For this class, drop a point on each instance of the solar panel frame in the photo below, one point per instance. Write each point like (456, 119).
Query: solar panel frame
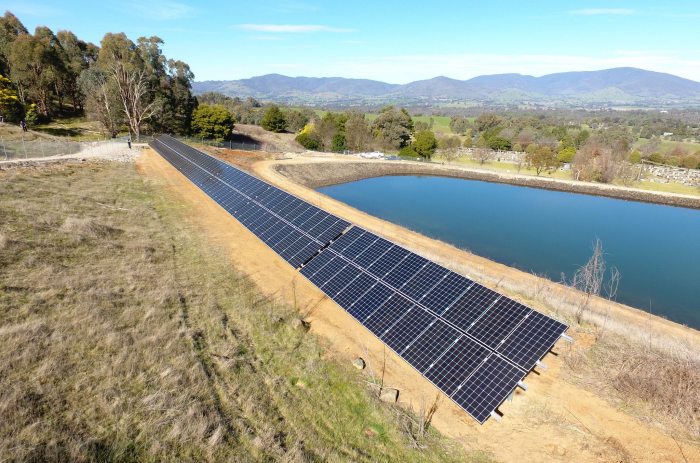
(487, 387)
(387, 285)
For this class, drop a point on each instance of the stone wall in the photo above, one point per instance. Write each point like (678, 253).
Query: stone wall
(689, 177)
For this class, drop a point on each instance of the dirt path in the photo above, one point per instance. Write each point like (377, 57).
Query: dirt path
(553, 421)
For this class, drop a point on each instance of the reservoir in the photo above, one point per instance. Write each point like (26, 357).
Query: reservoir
(656, 248)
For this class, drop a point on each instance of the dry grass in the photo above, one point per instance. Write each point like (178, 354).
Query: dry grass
(658, 386)
(124, 338)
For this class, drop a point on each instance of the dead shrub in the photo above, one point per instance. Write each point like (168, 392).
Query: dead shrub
(3, 241)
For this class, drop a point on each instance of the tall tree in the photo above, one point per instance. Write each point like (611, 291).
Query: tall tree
(78, 56)
(358, 135)
(120, 59)
(393, 128)
(10, 29)
(102, 100)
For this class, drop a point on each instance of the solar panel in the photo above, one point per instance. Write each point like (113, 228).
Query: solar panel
(470, 306)
(372, 254)
(407, 329)
(428, 346)
(535, 335)
(496, 323)
(471, 342)
(357, 288)
(405, 269)
(423, 281)
(456, 363)
(486, 388)
(370, 301)
(446, 292)
(387, 314)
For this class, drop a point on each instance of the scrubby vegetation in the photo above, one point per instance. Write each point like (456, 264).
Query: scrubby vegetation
(124, 337)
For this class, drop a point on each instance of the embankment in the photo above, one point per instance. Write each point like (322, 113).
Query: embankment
(335, 171)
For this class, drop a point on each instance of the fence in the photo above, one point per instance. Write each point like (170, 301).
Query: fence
(28, 149)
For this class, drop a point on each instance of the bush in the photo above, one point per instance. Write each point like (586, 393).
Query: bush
(338, 145)
(274, 120)
(425, 143)
(635, 157)
(499, 144)
(31, 117)
(212, 122)
(10, 107)
(408, 152)
(566, 155)
(657, 158)
(309, 140)
(691, 161)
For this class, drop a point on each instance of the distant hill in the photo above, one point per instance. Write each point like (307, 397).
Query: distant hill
(618, 86)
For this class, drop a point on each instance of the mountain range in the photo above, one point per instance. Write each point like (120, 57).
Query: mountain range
(609, 87)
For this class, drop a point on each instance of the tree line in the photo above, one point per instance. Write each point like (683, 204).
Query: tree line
(125, 85)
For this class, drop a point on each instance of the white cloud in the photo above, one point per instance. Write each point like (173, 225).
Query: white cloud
(160, 10)
(603, 11)
(290, 28)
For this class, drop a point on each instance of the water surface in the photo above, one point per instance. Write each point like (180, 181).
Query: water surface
(656, 248)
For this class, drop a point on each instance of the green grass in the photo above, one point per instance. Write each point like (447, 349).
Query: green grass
(667, 146)
(126, 336)
(441, 124)
(74, 128)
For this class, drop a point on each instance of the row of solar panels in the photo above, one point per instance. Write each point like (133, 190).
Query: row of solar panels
(293, 228)
(471, 342)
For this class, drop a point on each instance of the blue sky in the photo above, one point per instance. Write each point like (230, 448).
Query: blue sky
(394, 41)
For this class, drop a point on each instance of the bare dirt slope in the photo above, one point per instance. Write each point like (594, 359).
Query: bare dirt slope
(554, 420)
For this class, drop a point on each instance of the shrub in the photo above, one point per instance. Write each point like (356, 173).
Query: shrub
(309, 140)
(274, 120)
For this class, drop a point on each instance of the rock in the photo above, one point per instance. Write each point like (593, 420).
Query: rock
(359, 363)
(389, 395)
(299, 324)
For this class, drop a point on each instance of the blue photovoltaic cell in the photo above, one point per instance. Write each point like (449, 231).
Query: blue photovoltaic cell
(340, 280)
(358, 246)
(423, 281)
(470, 306)
(387, 261)
(456, 363)
(347, 239)
(354, 290)
(495, 325)
(328, 271)
(487, 387)
(446, 292)
(373, 252)
(316, 264)
(470, 341)
(370, 301)
(533, 337)
(425, 349)
(407, 328)
(404, 270)
(387, 314)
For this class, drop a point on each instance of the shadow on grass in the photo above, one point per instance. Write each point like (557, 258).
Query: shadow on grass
(60, 131)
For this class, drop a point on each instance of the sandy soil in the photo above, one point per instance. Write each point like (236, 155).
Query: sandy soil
(553, 421)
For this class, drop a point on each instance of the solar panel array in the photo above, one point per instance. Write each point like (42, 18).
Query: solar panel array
(473, 343)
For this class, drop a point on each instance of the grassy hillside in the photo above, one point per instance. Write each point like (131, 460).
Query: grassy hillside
(125, 337)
